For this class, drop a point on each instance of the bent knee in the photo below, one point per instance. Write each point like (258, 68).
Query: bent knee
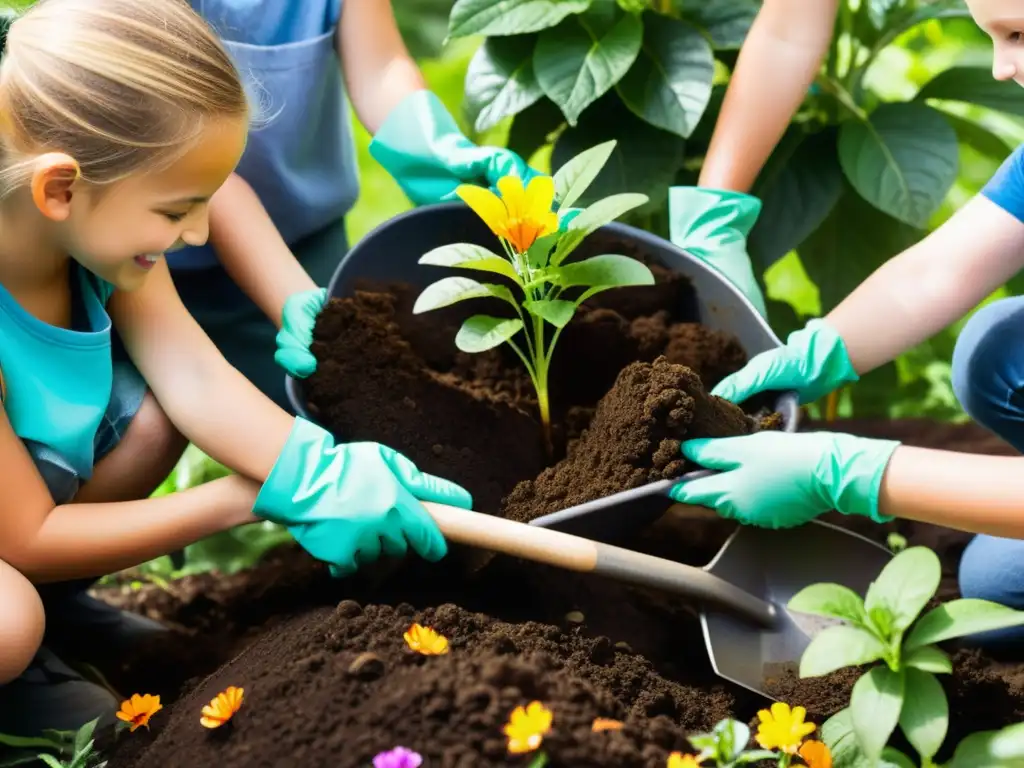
(993, 569)
(988, 367)
(153, 431)
(22, 622)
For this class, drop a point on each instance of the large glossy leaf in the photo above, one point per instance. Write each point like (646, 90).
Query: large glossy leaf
(451, 290)
(958, 618)
(532, 127)
(853, 241)
(470, 256)
(974, 85)
(669, 85)
(903, 160)
(585, 56)
(482, 332)
(423, 25)
(924, 718)
(832, 600)
(800, 184)
(838, 647)
(645, 158)
(509, 17)
(875, 704)
(726, 22)
(500, 80)
(904, 586)
(979, 138)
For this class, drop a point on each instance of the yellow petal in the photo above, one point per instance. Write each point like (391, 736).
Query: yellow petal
(540, 195)
(513, 195)
(485, 204)
(780, 710)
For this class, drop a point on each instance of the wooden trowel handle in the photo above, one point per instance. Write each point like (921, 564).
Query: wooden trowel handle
(575, 553)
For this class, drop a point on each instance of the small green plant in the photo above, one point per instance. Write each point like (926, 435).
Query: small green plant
(536, 245)
(885, 626)
(76, 749)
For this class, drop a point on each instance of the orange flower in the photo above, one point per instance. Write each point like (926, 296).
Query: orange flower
(521, 215)
(816, 754)
(138, 709)
(605, 724)
(526, 727)
(222, 708)
(426, 641)
(679, 760)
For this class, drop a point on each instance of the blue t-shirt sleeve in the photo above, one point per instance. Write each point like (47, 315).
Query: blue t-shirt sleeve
(1006, 188)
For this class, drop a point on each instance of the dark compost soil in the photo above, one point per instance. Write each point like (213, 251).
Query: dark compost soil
(329, 680)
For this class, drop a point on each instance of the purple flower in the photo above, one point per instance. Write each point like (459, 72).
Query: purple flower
(399, 757)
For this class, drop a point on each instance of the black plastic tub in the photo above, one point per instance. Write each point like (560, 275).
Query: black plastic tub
(391, 253)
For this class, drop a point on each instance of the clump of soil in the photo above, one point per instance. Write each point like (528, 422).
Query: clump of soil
(633, 439)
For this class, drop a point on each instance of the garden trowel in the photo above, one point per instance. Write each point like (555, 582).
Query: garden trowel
(750, 634)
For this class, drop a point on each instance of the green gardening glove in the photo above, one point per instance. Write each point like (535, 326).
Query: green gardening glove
(423, 149)
(782, 480)
(297, 321)
(713, 225)
(347, 504)
(813, 362)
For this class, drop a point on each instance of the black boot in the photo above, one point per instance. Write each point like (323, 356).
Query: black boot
(49, 695)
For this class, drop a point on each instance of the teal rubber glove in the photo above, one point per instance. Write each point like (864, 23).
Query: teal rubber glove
(813, 362)
(423, 149)
(782, 480)
(713, 225)
(347, 504)
(298, 317)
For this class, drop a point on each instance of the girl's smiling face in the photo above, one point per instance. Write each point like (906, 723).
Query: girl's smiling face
(1003, 21)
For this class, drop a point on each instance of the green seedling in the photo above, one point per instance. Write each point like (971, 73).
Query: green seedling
(538, 230)
(886, 626)
(726, 746)
(76, 747)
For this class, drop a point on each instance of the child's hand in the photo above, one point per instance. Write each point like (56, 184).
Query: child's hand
(347, 504)
(297, 321)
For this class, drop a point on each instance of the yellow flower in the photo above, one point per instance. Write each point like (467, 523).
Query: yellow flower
(783, 728)
(816, 754)
(526, 727)
(426, 641)
(605, 724)
(521, 215)
(679, 760)
(138, 709)
(222, 708)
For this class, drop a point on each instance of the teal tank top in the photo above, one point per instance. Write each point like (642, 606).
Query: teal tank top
(57, 382)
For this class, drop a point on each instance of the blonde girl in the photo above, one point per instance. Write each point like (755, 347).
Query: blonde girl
(119, 120)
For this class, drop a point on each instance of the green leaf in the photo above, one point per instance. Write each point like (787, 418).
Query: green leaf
(1008, 744)
(451, 290)
(800, 184)
(608, 269)
(833, 600)
(731, 736)
(583, 57)
(878, 11)
(893, 758)
(423, 25)
(957, 618)
(979, 138)
(593, 218)
(19, 758)
(669, 85)
(903, 160)
(726, 22)
(84, 736)
(534, 127)
(509, 17)
(905, 585)
(555, 311)
(482, 332)
(539, 253)
(853, 241)
(469, 256)
(50, 761)
(27, 742)
(573, 178)
(925, 714)
(838, 734)
(976, 751)
(645, 159)
(928, 658)
(838, 647)
(875, 705)
(756, 756)
(974, 85)
(500, 80)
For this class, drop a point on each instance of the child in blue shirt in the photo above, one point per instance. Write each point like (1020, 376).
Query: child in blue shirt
(119, 121)
(777, 480)
(277, 229)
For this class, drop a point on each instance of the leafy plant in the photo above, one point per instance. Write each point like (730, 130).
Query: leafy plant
(885, 626)
(76, 746)
(536, 247)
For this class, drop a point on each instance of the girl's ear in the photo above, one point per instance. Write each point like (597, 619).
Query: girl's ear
(53, 177)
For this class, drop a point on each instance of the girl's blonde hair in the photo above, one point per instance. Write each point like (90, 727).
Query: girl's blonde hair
(122, 86)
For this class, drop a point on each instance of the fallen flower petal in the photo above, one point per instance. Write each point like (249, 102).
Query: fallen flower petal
(426, 641)
(526, 727)
(222, 708)
(816, 754)
(783, 728)
(138, 709)
(679, 760)
(399, 757)
(605, 724)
